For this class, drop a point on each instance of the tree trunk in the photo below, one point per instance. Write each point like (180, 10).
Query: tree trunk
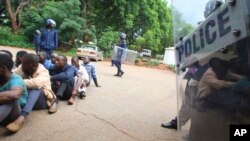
(13, 16)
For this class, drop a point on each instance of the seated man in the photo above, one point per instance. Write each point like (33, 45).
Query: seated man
(13, 92)
(40, 95)
(19, 57)
(188, 101)
(7, 53)
(91, 70)
(85, 75)
(62, 78)
(53, 57)
(44, 61)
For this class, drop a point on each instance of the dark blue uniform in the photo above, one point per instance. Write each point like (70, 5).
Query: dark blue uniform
(119, 57)
(49, 41)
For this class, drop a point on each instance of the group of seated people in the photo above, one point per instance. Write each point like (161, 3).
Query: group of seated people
(218, 85)
(35, 82)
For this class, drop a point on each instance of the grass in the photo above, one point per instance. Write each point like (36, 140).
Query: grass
(171, 67)
(7, 38)
(152, 63)
(71, 52)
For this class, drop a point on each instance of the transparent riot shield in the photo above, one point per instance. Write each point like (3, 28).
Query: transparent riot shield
(124, 55)
(213, 68)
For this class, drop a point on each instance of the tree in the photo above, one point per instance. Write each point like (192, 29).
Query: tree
(107, 40)
(67, 14)
(14, 15)
(181, 28)
(149, 19)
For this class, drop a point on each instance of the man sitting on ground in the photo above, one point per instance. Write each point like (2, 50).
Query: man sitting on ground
(13, 92)
(19, 57)
(40, 95)
(44, 61)
(53, 57)
(85, 75)
(91, 70)
(62, 78)
(7, 53)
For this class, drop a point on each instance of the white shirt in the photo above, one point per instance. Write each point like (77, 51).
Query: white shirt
(84, 73)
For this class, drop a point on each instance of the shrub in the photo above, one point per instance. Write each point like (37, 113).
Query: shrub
(137, 60)
(171, 67)
(145, 60)
(159, 57)
(152, 63)
(9, 39)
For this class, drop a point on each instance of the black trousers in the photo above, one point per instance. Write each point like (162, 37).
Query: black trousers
(63, 91)
(118, 66)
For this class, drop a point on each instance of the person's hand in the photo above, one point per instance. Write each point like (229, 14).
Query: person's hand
(74, 92)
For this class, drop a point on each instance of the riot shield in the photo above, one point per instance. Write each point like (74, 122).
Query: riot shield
(124, 55)
(213, 67)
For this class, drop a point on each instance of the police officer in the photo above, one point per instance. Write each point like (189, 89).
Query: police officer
(211, 6)
(37, 40)
(120, 55)
(49, 38)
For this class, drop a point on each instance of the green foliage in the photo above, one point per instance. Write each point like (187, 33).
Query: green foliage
(159, 57)
(147, 23)
(137, 60)
(9, 39)
(139, 44)
(71, 52)
(181, 27)
(107, 40)
(149, 20)
(67, 16)
(145, 59)
(4, 20)
(172, 67)
(152, 63)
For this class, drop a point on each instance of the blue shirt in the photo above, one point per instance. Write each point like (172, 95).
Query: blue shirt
(16, 81)
(48, 64)
(242, 84)
(37, 40)
(123, 43)
(67, 74)
(90, 68)
(49, 39)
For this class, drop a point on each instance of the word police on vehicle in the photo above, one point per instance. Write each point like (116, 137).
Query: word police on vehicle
(225, 26)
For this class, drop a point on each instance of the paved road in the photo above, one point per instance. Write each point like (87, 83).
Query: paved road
(130, 108)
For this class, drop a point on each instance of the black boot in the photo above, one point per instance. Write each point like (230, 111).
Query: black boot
(118, 73)
(121, 73)
(171, 125)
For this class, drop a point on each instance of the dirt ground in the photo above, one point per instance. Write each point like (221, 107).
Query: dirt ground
(130, 108)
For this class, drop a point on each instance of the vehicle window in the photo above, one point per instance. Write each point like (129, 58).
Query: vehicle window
(90, 47)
